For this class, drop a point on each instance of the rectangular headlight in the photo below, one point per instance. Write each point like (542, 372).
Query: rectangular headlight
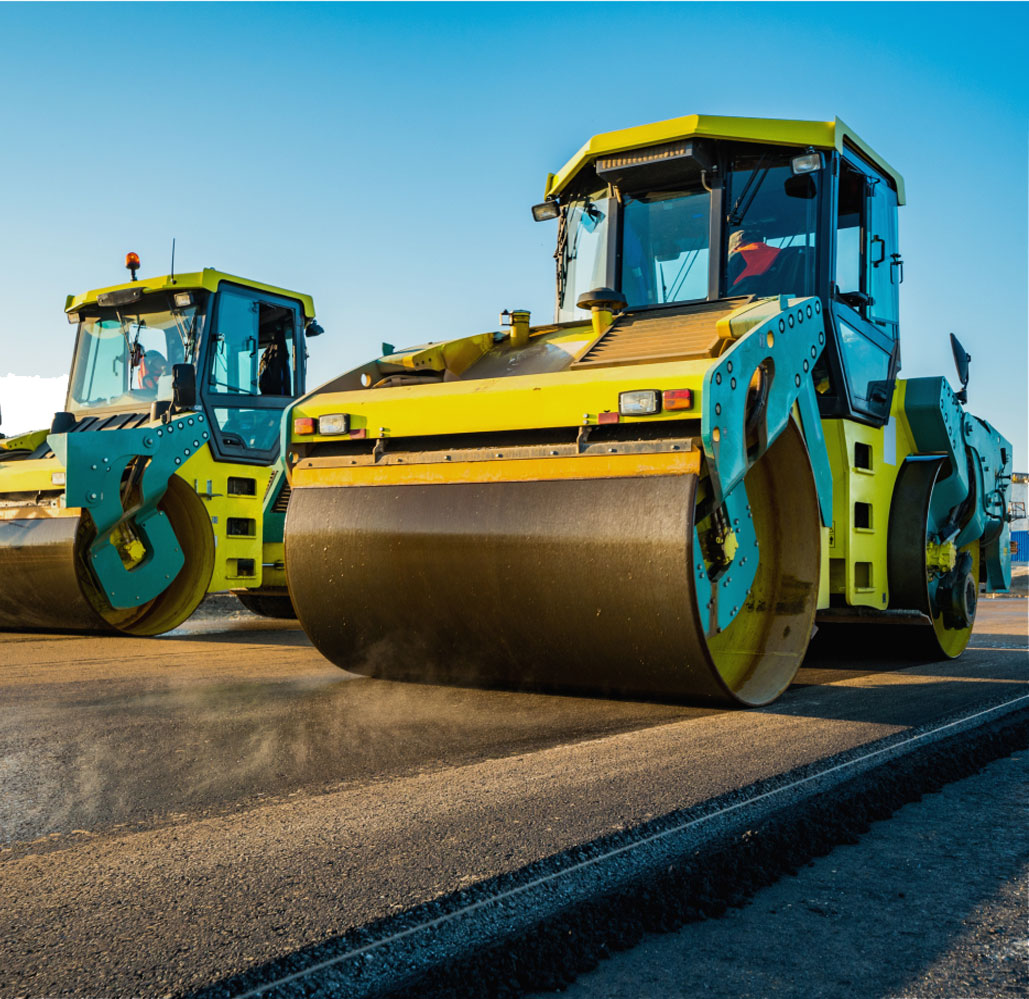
(182, 299)
(808, 163)
(334, 423)
(546, 210)
(641, 402)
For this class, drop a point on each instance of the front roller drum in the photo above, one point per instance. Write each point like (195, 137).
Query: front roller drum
(45, 584)
(565, 584)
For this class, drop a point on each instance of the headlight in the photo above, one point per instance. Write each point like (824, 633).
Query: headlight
(641, 402)
(334, 423)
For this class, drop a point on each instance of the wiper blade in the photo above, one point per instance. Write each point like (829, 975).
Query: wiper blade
(747, 196)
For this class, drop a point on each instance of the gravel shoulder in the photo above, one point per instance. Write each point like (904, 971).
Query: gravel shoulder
(930, 904)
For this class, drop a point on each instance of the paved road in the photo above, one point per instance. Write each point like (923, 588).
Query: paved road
(175, 810)
(930, 904)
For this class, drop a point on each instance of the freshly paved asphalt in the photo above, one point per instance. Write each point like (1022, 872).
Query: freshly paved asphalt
(176, 810)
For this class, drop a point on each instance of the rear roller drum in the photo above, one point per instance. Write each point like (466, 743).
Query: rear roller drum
(937, 579)
(565, 584)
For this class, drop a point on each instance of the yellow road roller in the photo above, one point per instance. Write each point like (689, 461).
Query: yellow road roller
(659, 493)
(162, 480)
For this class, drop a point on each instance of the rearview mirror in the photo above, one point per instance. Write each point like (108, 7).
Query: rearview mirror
(961, 360)
(184, 386)
(800, 186)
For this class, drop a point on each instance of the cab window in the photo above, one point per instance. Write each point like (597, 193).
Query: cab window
(253, 347)
(771, 241)
(865, 297)
(665, 247)
(251, 368)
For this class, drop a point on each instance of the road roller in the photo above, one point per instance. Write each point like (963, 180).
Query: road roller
(162, 480)
(664, 492)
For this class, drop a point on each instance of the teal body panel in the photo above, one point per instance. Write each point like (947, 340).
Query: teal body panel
(95, 465)
(970, 502)
(784, 348)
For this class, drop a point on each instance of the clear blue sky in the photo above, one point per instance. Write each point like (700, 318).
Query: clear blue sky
(384, 157)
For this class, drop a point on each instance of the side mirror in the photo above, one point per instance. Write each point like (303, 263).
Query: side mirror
(313, 329)
(184, 386)
(961, 360)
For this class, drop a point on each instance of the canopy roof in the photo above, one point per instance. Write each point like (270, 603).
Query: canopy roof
(208, 279)
(775, 131)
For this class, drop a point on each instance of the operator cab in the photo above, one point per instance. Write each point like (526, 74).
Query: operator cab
(246, 346)
(700, 220)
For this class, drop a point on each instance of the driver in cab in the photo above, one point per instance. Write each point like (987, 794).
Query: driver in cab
(152, 366)
(749, 255)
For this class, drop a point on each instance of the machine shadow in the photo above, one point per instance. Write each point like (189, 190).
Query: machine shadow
(835, 681)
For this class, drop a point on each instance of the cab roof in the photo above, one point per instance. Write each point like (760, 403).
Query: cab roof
(208, 279)
(775, 131)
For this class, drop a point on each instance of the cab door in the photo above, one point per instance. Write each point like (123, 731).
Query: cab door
(866, 299)
(254, 368)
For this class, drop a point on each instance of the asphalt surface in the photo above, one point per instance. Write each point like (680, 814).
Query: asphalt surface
(177, 810)
(929, 904)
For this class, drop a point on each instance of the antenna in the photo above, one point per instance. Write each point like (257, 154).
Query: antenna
(173, 261)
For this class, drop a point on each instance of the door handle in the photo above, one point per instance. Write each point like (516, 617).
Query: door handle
(898, 263)
(882, 255)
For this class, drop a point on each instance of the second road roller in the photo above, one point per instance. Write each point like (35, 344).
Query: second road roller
(162, 480)
(661, 492)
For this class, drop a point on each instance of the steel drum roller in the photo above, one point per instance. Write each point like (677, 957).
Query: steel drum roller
(46, 585)
(568, 584)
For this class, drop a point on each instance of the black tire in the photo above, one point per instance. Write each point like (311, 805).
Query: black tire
(268, 605)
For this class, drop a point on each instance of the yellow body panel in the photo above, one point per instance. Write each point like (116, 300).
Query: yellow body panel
(310, 473)
(775, 131)
(209, 480)
(274, 571)
(857, 555)
(524, 402)
(207, 279)
(31, 475)
(27, 442)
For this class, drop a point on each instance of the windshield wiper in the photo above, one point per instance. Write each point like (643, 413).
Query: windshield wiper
(738, 214)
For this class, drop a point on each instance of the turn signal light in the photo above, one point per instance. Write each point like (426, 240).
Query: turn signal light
(642, 402)
(677, 399)
(303, 425)
(334, 423)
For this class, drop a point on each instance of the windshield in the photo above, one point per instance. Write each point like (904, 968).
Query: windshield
(665, 247)
(581, 254)
(124, 355)
(769, 243)
(772, 225)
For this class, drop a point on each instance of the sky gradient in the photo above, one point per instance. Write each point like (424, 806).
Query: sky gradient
(384, 157)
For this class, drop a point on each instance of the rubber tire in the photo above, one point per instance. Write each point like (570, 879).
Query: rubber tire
(268, 605)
